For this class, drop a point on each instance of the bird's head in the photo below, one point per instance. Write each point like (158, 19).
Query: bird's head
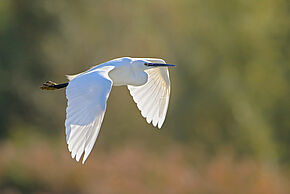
(148, 64)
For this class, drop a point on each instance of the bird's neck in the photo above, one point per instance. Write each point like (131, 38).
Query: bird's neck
(125, 75)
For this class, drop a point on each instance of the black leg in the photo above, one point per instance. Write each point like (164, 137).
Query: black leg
(49, 85)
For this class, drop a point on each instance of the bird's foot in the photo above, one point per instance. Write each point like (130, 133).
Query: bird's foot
(49, 85)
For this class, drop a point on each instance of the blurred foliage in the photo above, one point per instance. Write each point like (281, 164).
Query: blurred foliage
(133, 169)
(230, 90)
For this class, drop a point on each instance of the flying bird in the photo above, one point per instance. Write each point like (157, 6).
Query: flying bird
(87, 93)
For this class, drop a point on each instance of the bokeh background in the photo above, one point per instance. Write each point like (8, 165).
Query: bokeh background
(228, 124)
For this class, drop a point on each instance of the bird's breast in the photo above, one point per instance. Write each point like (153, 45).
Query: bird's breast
(122, 76)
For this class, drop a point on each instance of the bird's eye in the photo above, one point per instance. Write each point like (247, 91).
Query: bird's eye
(147, 64)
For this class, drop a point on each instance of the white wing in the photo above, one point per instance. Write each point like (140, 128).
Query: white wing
(152, 98)
(87, 96)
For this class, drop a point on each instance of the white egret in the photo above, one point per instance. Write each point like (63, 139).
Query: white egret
(87, 93)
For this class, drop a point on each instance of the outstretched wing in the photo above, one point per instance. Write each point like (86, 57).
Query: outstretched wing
(87, 96)
(152, 98)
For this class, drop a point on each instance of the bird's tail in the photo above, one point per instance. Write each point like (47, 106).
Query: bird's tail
(49, 85)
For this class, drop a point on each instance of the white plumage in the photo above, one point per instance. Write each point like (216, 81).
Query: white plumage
(87, 93)
(152, 98)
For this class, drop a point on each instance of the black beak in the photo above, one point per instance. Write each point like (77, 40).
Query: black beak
(159, 65)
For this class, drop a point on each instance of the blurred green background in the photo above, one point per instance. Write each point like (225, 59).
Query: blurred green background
(228, 124)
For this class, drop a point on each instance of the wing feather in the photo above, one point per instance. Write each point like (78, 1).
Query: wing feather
(87, 96)
(152, 98)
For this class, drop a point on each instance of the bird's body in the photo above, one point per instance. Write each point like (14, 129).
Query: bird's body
(123, 73)
(87, 93)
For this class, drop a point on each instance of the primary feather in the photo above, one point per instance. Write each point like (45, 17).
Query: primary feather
(87, 96)
(152, 98)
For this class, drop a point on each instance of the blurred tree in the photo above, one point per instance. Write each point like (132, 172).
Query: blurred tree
(24, 24)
